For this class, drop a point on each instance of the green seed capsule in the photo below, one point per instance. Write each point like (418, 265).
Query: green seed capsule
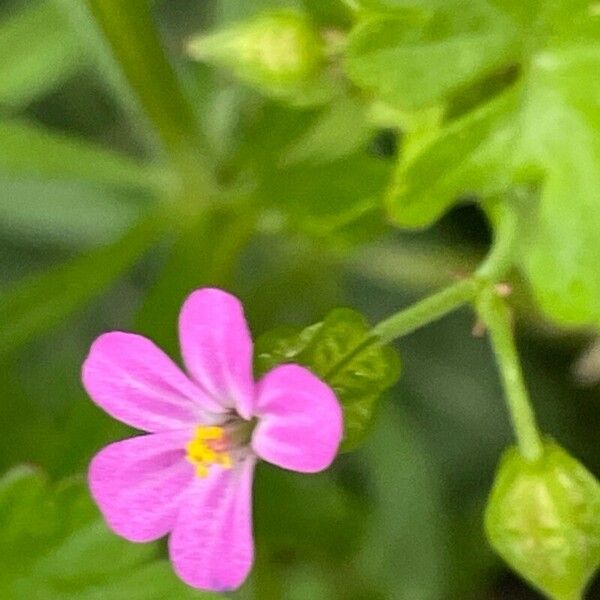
(543, 518)
(273, 51)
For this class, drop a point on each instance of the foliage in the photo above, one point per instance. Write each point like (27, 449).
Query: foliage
(517, 113)
(294, 152)
(338, 351)
(54, 545)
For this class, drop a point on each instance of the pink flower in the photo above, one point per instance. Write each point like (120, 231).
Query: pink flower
(191, 475)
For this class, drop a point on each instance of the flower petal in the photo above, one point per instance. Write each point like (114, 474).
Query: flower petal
(300, 420)
(217, 348)
(138, 483)
(211, 546)
(137, 383)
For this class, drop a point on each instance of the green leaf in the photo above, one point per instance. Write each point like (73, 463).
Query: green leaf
(543, 518)
(64, 214)
(38, 51)
(563, 138)
(541, 133)
(415, 59)
(53, 546)
(31, 151)
(468, 157)
(39, 302)
(319, 199)
(338, 131)
(340, 351)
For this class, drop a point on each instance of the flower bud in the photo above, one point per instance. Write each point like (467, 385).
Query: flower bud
(543, 518)
(275, 51)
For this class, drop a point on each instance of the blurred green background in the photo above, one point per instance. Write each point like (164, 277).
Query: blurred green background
(295, 233)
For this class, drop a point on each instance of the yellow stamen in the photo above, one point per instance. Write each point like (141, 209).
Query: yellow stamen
(206, 449)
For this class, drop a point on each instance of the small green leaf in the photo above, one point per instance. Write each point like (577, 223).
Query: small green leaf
(340, 351)
(543, 518)
(416, 59)
(39, 51)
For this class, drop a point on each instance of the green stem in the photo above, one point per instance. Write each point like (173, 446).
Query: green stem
(427, 310)
(496, 315)
(135, 44)
(493, 268)
(500, 258)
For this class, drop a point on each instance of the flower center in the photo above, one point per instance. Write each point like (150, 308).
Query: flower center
(219, 445)
(208, 447)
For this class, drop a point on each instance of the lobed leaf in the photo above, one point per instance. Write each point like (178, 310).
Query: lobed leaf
(341, 352)
(468, 157)
(417, 58)
(539, 129)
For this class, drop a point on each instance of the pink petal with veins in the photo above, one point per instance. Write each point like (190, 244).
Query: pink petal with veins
(217, 348)
(300, 420)
(211, 546)
(137, 383)
(139, 483)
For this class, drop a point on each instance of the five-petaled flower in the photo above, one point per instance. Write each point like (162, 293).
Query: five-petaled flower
(191, 474)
